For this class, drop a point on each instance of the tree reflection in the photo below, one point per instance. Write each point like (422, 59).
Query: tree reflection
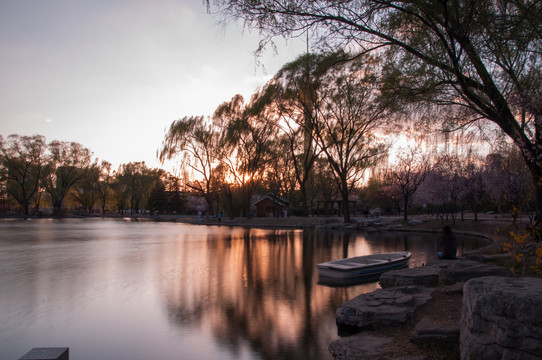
(258, 288)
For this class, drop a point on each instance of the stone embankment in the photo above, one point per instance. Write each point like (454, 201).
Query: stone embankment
(500, 317)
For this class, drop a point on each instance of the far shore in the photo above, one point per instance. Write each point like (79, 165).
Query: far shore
(491, 226)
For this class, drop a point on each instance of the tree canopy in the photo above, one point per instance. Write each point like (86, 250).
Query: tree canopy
(480, 57)
(197, 141)
(67, 164)
(22, 161)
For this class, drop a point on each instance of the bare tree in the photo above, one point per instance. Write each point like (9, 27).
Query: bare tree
(482, 58)
(293, 94)
(409, 173)
(22, 158)
(448, 183)
(85, 191)
(508, 181)
(476, 192)
(66, 165)
(280, 175)
(349, 115)
(103, 186)
(324, 186)
(136, 181)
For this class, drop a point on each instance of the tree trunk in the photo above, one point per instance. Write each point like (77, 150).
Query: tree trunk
(346, 206)
(209, 201)
(405, 212)
(304, 199)
(57, 208)
(229, 196)
(103, 199)
(26, 206)
(37, 201)
(537, 181)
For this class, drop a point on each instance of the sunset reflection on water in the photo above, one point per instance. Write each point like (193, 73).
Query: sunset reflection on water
(117, 290)
(257, 287)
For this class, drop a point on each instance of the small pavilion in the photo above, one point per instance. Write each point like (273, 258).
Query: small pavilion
(271, 205)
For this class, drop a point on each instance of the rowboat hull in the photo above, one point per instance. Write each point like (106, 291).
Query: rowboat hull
(361, 268)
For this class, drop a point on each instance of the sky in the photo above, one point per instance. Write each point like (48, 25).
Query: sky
(114, 74)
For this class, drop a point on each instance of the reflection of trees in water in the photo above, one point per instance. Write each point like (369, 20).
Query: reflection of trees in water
(258, 287)
(423, 246)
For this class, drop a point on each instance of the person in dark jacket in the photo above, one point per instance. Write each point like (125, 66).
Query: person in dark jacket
(448, 245)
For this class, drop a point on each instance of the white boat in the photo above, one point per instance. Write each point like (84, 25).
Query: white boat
(360, 268)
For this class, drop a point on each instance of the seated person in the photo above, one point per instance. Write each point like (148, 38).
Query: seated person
(448, 246)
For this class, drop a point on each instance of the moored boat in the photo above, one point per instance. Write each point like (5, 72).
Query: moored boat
(360, 268)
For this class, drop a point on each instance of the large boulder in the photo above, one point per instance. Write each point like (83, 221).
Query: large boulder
(501, 318)
(454, 271)
(490, 253)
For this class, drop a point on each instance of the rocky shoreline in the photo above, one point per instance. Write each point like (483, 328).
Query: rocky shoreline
(439, 312)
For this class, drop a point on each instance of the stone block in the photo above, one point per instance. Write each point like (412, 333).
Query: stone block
(369, 347)
(47, 354)
(456, 288)
(359, 347)
(436, 332)
(422, 276)
(501, 318)
(381, 307)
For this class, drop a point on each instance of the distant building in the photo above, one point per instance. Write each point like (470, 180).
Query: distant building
(334, 207)
(271, 205)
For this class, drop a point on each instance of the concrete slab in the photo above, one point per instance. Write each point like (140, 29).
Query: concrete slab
(57, 353)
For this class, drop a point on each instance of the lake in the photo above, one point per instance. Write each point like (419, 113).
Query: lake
(120, 289)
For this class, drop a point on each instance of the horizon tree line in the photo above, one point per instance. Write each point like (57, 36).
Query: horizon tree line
(35, 175)
(445, 184)
(473, 62)
(312, 134)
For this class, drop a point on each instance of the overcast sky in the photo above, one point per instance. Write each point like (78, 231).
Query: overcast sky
(113, 74)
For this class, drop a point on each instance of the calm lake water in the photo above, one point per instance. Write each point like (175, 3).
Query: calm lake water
(114, 289)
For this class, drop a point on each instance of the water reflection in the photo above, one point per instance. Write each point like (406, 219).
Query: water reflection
(255, 288)
(118, 290)
(260, 286)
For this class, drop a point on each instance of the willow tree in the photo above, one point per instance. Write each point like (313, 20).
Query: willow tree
(248, 137)
(293, 95)
(351, 115)
(197, 142)
(481, 57)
